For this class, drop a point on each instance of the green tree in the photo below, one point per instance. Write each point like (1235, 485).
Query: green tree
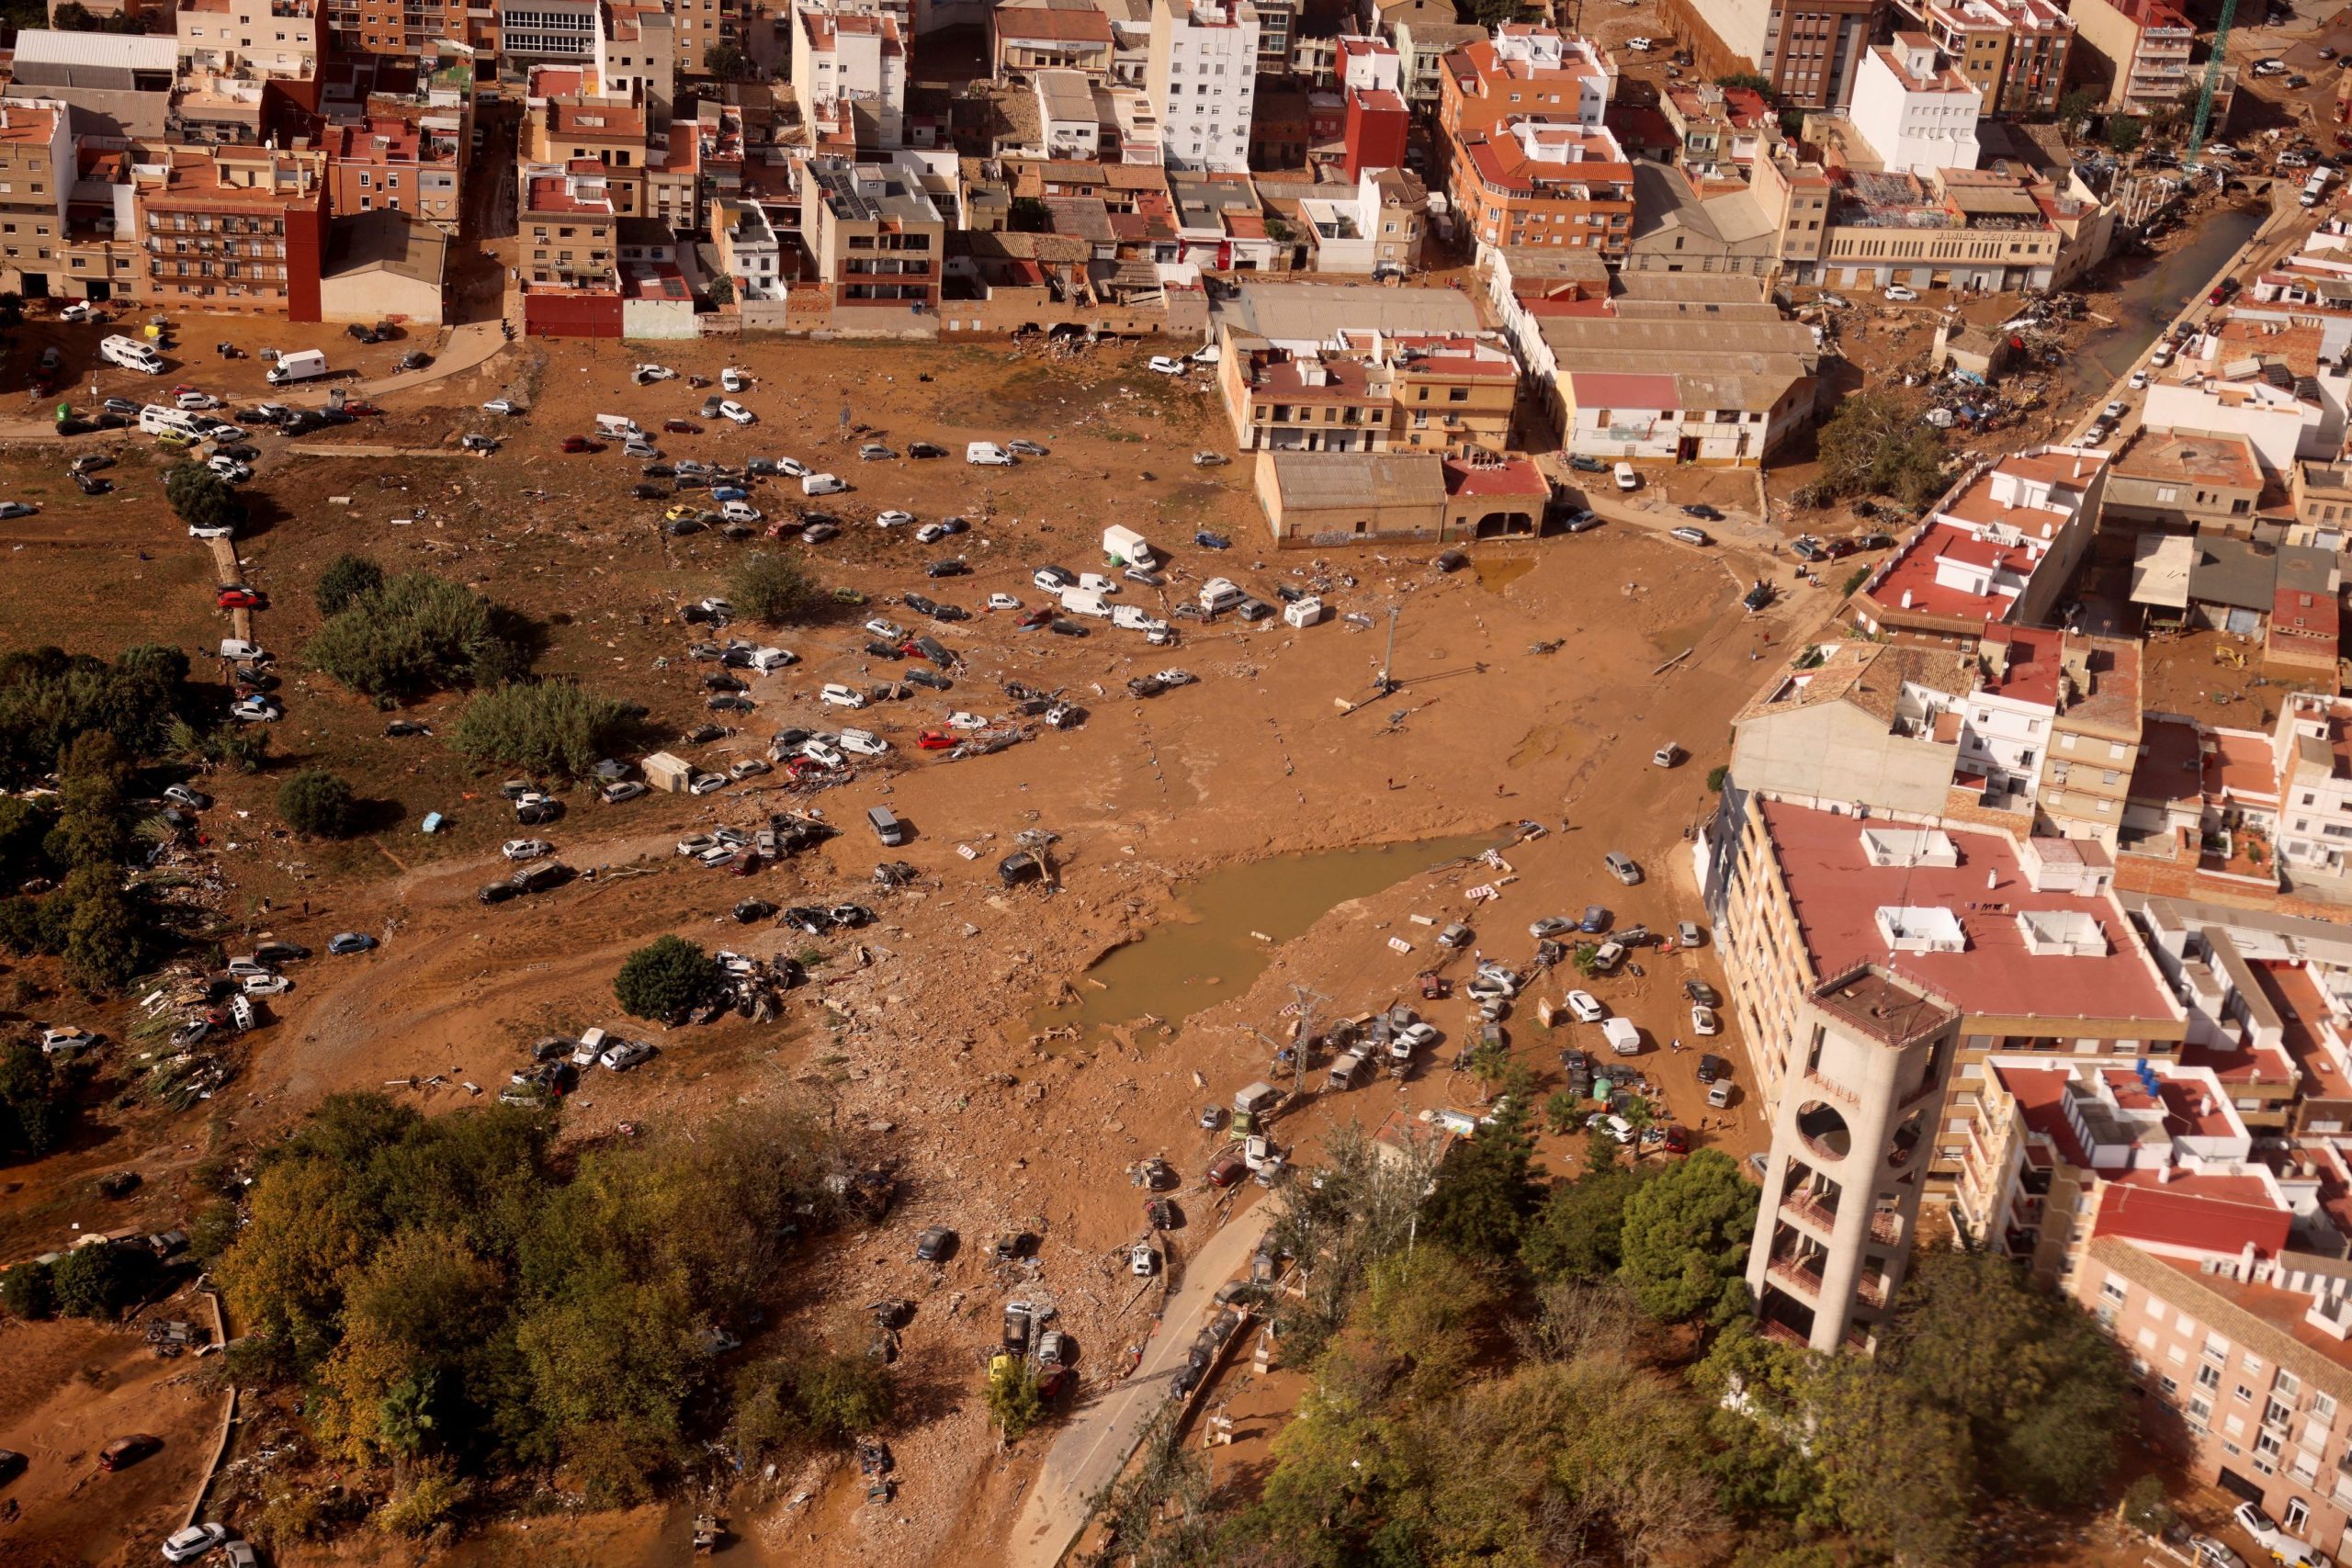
(35, 1107)
(550, 728)
(2124, 133)
(417, 633)
(1875, 445)
(100, 1281)
(2077, 105)
(1577, 1235)
(1014, 1404)
(318, 804)
(202, 499)
(1716, 776)
(1684, 1239)
(29, 1289)
(348, 580)
(1489, 1186)
(727, 62)
(665, 979)
(2145, 1508)
(1895, 1469)
(109, 937)
(773, 590)
(1749, 79)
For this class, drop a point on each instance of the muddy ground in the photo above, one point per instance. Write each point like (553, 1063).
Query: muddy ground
(918, 1032)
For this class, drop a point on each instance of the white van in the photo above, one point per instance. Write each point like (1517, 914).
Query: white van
(617, 427)
(1126, 545)
(591, 1046)
(2316, 186)
(821, 484)
(238, 648)
(1626, 478)
(1624, 1036)
(307, 366)
(1219, 594)
(131, 355)
(988, 454)
(1085, 602)
(1133, 617)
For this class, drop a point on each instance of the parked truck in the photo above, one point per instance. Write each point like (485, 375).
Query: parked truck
(1126, 548)
(304, 365)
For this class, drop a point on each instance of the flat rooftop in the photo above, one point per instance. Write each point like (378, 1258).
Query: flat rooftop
(1838, 894)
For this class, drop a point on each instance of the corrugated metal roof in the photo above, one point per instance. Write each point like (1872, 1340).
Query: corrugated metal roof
(124, 51)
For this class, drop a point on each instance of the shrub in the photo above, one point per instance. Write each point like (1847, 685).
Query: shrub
(549, 728)
(773, 590)
(417, 633)
(1716, 776)
(1014, 1404)
(665, 979)
(99, 1281)
(202, 499)
(347, 578)
(317, 803)
(34, 1107)
(29, 1289)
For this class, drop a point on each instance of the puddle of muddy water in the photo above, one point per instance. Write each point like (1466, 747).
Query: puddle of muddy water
(1496, 573)
(1210, 951)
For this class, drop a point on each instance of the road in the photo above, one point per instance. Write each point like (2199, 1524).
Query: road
(1098, 1443)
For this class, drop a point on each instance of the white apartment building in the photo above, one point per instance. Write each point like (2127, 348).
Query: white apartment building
(1916, 112)
(1533, 52)
(2314, 747)
(1202, 75)
(1068, 124)
(849, 75)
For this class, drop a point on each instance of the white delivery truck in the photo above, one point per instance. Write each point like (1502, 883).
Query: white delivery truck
(303, 365)
(1085, 602)
(131, 355)
(617, 427)
(1126, 548)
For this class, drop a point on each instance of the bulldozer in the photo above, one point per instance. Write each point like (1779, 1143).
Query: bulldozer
(2233, 658)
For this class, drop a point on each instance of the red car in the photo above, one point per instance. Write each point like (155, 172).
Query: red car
(240, 599)
(680, 427)
(1039, 616)
(1678, 1140)
(935, 740)
(1227, 1171)
(582, 443)
(1434, 986)
(361, 406)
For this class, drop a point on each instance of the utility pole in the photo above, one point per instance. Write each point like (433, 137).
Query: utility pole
(1304, 1000)
(1388, 659)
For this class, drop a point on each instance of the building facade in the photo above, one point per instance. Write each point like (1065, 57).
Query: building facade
(1201, 79)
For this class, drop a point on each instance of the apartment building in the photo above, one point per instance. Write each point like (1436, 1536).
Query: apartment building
(1370, 392)
(2023, 938)
(530, 31)
(703, 26)
(120, 85)
(750, 256)
(636, 53)
(1917, 113)
(234, 229)
(268, 39)
(2094, 739)
(1525, 72)
(1026, 36)
(2013, 51)
(568, 225)
(1422, 51)
(2313, 749)
(1728, 416)
(1532, 183)
(2321, 494)
(415, 29)
(876, 236)
(387, 162)
(2198, 483)
(2144, 55)
(36, 179)
(1201, 79)
(2000, 547)
(1809, 49)
(849, 76)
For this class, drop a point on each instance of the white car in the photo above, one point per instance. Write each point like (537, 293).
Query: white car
(501, 405)
(841, 698)
(255, 710)
(1142, 1260)
(228, 469)
(818, 751)
(2138, 382)
(245, 969)
(1003, 602)
(1585, 1008)
(2267, 1535)
(655, 372)
(929, 534)
(16, 509)
(265, 985)
(894, 518)
(733, 381)
(706, 783)
(77, 311)
(623, 1054)
(962, 720)
(1703, 1020)
(740, 512)
(206, 531)
(1640, 45)
(1167, 367)
(195, 402)
(1899, 294)
(187, 1545)
(737, 412)
(526, 849)
(792, 468)
(2116, 410)
(889, 631)
(1625, 476)
(695, 843)
(745, 767)
(863, 742)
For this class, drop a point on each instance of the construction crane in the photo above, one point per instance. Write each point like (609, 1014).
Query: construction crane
(2212, 79)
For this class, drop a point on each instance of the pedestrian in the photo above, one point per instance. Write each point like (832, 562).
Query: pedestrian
(306, 905)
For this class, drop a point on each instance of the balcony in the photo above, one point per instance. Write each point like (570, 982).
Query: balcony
(1886, 1227)
(1800, 1274)
(1870, 1290)
(1804, 1208)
